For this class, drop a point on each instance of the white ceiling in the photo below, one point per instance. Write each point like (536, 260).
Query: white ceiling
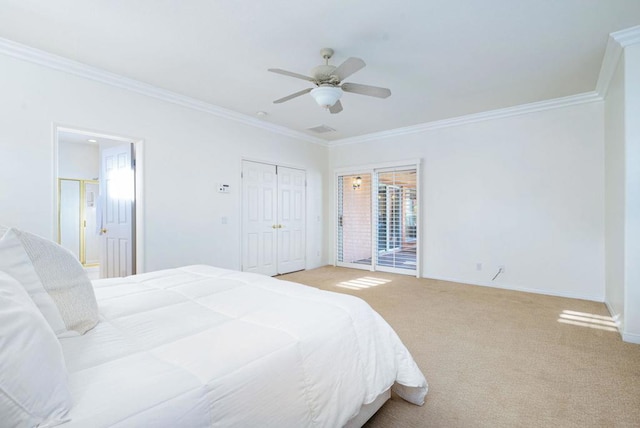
(441, 59)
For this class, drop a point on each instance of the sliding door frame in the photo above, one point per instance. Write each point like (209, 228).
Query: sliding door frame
(373, 169)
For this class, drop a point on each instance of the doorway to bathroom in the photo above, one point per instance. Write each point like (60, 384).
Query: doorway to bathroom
(96, 200)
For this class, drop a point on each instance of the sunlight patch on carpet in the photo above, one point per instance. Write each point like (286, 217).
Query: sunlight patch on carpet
(583, 319)
(363, 283)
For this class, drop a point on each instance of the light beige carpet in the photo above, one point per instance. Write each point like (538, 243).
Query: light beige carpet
(498, 358)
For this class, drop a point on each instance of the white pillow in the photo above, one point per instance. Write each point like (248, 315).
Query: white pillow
(54, 279)
(33, 377)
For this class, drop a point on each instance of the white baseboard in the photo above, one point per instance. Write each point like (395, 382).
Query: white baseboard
(631, 338)
(616, 318)
(599, 299)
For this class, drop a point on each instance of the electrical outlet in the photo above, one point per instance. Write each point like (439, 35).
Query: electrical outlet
(478, 266)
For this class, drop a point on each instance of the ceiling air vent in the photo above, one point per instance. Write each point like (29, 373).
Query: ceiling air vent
(321, 129)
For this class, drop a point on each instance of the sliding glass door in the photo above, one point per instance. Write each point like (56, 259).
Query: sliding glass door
(396, 212)
(377, 219)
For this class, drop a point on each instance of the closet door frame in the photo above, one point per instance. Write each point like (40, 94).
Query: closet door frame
(373, 169)
(303, 263)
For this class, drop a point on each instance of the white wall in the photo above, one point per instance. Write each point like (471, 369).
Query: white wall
(526, 192)
(622, 208)
(631, 330)
(77, 160)
(614, 191)
(186, 153)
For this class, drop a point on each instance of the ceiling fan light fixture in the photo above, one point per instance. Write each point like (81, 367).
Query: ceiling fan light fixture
(326, 96)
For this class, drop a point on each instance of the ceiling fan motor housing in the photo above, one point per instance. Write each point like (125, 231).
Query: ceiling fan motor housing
(323, 74)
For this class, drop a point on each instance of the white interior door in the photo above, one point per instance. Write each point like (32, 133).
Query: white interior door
(117, 196)
(291, 219)
(259, 218)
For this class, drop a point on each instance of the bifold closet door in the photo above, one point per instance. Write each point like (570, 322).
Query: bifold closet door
(259, 221)
(291, 219)
(273, 218)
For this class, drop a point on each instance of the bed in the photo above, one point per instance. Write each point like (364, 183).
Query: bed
(200, 346)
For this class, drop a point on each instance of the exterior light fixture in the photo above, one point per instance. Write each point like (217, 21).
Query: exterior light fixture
(357, 182)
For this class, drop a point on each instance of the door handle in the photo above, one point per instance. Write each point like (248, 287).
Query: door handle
(103, 231)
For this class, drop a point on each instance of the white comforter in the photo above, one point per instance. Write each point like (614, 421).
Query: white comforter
(206, 347)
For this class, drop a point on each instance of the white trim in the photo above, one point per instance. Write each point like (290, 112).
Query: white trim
(399, 271)
(36, 56)
(391, 165)
(138, 151)
(631, 338)
(523, 289)
(270, 162)
(586, 97)
(627, 37)
(358, 266)
(420, 217)
(616, 42)
(615, 317)
(615, 45)
(609, 64)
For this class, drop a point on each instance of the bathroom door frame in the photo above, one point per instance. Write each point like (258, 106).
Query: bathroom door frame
(138, 148)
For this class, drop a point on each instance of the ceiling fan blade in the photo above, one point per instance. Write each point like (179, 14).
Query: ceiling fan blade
(297, 94)
(291, 74)
(348, 67)
(372, 91)
(336, 108)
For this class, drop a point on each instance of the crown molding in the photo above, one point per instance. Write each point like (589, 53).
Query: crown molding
(586, 97)
(56, 62)
(627, 37)
(615, 45)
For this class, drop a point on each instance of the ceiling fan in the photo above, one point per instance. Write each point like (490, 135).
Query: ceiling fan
(328, 80)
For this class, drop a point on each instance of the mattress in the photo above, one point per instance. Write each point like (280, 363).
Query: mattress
(200, 346)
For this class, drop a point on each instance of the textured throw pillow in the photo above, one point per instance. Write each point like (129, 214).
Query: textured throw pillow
(54, 279)
(33, 377)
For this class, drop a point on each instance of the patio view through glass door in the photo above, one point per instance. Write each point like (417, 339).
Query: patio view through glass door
(397, 213)
(377, 220)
